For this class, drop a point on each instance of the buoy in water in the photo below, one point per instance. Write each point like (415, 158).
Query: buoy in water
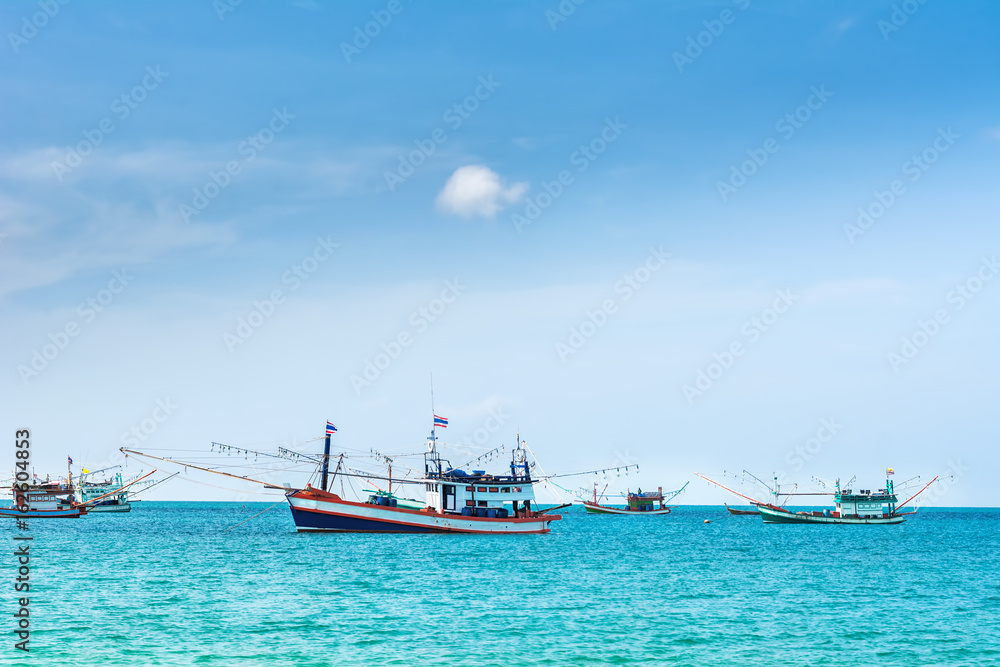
(707, 521)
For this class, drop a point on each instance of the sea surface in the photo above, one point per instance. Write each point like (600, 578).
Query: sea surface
(165, 585)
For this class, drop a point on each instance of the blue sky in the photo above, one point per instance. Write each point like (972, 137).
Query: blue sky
(196, 86)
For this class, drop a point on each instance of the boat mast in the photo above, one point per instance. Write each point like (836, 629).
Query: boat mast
(326, 461)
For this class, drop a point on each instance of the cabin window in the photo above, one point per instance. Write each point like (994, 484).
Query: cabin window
(482, 503)
(449, 497)
(481, 489)
(505, 489)
(494, 489)
(470, 503)
(468, 488)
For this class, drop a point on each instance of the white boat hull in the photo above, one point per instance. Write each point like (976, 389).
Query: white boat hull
(318, 511)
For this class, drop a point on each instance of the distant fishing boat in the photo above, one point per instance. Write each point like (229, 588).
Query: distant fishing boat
(45, 501)
(864, 507)
(735, 512)
(61, 499)
(637, 503)
(113, 498)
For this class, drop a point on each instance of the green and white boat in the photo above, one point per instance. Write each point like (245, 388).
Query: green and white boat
(861, 507)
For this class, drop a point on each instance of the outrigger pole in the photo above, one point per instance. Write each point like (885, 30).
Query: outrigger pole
(752, 501)
(109, 493)
(918, 492)
(188, 465)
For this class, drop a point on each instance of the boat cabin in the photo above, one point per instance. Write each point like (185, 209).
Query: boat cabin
(46, 497)
(476, 493)
(645, 502)
(864, 503)
(480, 495)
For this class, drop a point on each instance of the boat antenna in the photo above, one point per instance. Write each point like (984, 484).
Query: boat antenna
(433, 414)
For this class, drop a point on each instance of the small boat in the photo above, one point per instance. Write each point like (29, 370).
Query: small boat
(752, 512)
(43, 501)
(638, 503)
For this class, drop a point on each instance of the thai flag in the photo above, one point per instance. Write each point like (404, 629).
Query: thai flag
(330, 428)
(441, 421)
(70, 460)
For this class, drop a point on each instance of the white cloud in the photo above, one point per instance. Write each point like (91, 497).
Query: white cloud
(477, 190)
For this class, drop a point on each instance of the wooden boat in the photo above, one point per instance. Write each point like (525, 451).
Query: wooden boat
(638, 503)
(752, 512)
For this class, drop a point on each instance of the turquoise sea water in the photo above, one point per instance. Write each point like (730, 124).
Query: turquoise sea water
(164, 585)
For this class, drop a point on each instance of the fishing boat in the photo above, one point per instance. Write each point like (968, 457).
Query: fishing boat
(49, 500)
(864, 507)
(737, 512)
(637, 503)
(456, 501)
(113, 498)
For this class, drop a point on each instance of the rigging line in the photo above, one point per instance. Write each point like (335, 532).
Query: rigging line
(752, 501)
(591, 472)
(677, 493)
(94, 500)
(224, 488)
(255, 516)
(135, 493)
(528, 447)
(187, 465)
(918, 492)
